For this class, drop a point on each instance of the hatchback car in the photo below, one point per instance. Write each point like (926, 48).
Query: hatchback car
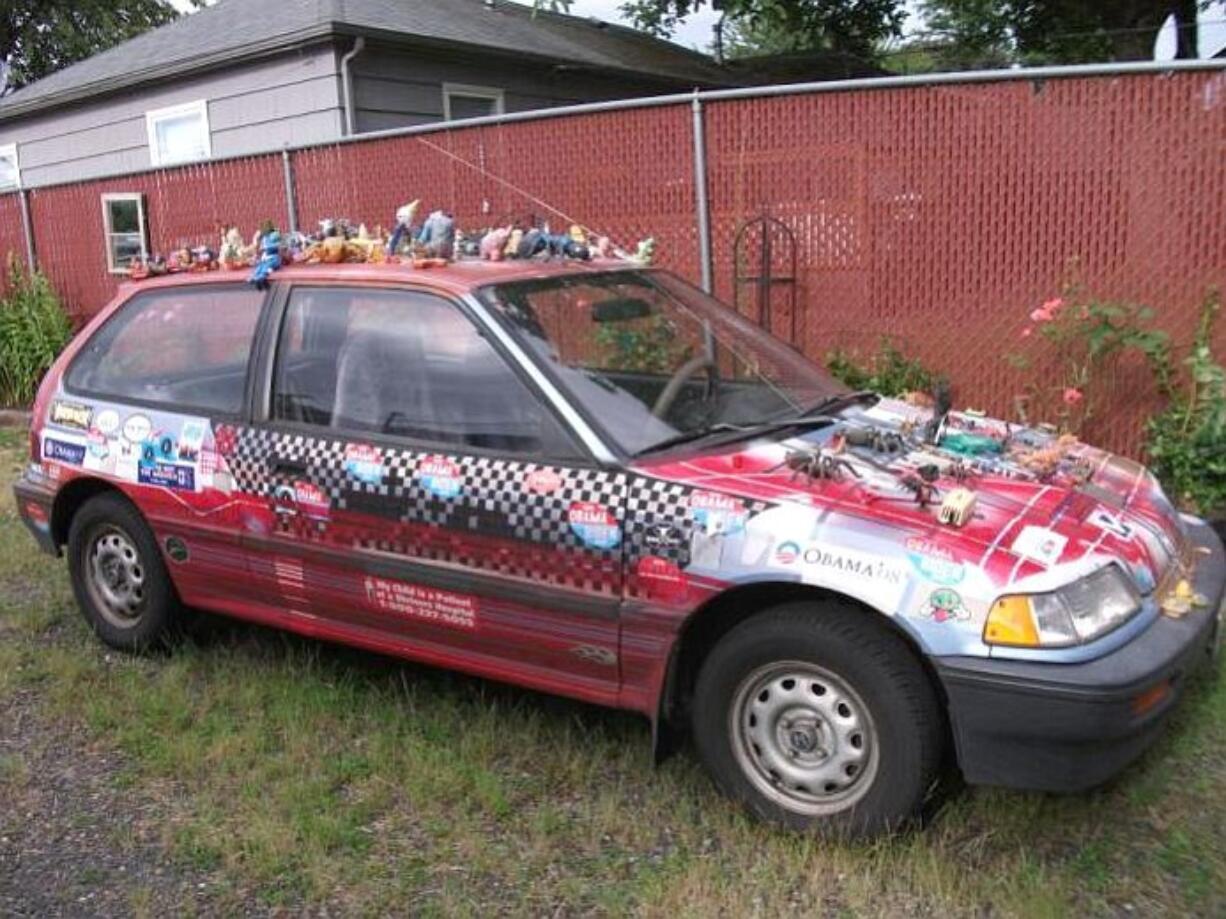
(595, 480)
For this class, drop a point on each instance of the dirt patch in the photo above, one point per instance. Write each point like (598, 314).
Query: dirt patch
(77, 837)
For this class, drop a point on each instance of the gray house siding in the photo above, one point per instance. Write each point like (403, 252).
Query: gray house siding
(291, 98)
(399, 87)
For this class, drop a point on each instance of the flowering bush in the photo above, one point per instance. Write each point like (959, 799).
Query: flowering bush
(1081, 341)
(1186, 444)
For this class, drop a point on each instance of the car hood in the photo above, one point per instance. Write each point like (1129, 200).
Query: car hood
(1045, 507)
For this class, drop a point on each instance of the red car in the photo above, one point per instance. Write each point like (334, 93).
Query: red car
(594, 480)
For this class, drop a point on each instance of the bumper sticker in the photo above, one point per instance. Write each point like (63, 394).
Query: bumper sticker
(440, 476)
(427, 604)
(594, 525)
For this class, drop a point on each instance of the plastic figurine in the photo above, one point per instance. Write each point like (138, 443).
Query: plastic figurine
(404, 224)
(232, 253)
(494, 244)
(513, 240)
(603, 247)
(645, 251)
(531, 243)
(203, 259)
(437, 235)
(563, 245)
(269, 261)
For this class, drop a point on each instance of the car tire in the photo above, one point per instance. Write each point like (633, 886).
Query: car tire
(819, 719)
(119, 578)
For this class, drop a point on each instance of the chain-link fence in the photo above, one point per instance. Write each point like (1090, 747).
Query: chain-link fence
(938, 215)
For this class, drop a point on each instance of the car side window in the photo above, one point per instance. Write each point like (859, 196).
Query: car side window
(183, 347)
(406, 364)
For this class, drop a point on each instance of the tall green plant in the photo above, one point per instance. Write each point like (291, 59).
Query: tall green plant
(888, 372)
(1187, 442)
(33, 329)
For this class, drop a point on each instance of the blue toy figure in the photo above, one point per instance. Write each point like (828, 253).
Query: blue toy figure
(437, 235)
(269, 261)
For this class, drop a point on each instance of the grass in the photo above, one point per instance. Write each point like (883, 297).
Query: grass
(306, 775)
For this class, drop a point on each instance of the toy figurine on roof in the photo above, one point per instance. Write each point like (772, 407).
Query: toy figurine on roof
(269, 260)
(402, 231)
(494, 244)
(232, 253)
(437, 236)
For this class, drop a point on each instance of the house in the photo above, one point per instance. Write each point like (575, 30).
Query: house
(244, 76)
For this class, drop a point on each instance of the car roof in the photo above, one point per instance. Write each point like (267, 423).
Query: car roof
(459, 277)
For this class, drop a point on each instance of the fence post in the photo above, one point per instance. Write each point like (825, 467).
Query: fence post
(28, 227)
(700, 195)
(291, 205)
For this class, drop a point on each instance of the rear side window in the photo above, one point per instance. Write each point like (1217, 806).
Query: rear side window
(405, 364)
(182, 348)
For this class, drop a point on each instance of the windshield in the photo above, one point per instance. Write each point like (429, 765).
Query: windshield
(652, 358)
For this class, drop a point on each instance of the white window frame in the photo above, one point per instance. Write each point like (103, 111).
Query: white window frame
(107, 232)
(200, 107)
(9, 151)
(497, 96)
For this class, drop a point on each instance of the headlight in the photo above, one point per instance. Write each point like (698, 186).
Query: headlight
(1074, 614)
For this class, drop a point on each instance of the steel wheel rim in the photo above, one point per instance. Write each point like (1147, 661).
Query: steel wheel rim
(804, 738)
(115, 576)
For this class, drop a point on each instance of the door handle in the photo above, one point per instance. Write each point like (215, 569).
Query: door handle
(292, 467)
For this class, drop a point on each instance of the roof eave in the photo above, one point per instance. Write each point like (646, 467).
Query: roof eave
(15, 108)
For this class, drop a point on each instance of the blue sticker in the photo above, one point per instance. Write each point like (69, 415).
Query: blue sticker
(934, 562)
(440, 476)
(594, 525)
(63, 452)
(364, 463)
(167, 475)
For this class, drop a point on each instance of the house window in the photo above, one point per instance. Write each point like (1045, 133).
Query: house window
(10, 172)
(460, 101)
(123, 220)
(179, 134)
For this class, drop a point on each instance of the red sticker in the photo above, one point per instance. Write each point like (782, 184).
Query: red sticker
(661, 578)
(311, 499)
(427, 604)
(543, 481)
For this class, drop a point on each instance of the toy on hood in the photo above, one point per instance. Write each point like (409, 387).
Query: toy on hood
(404, 224)
(269, 261)
(494, 244)
(437, 236)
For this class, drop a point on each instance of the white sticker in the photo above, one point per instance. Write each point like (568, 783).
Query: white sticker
(136, 429)
(1040, 544)
(107, 421)
(1111, 523)
(874, 578)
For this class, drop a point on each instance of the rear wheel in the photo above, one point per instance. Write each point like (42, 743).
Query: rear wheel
(818, 718)
(118, 577)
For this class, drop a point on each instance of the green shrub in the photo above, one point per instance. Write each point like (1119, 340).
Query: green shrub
(33, 329)
(888, 372)
(1187, 442)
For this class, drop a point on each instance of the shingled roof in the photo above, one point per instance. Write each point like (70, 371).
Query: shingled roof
(233, 30)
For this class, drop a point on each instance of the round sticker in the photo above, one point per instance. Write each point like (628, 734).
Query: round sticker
(136, 429)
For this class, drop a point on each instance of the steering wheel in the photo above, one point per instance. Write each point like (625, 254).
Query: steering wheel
(673, 388)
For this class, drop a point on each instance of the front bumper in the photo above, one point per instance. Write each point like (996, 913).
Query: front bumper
(1069, 727)
(34, 506)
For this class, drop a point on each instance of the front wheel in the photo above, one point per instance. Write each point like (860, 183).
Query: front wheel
(818, 718)
(118, 577)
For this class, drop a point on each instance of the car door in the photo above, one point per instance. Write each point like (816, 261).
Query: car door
(424, 498)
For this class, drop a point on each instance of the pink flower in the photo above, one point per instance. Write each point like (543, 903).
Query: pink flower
(1026, 332)
(1072, 396)
(1041, 315)
(1053, 305)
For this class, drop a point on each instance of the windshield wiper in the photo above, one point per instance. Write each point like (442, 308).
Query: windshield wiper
(835, 403)
(686, 437)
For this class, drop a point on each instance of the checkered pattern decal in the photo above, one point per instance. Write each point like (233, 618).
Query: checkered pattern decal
(498, 501)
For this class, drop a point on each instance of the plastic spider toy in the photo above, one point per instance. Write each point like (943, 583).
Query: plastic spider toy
(816, 464)
(875, 439)
(921, 483)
